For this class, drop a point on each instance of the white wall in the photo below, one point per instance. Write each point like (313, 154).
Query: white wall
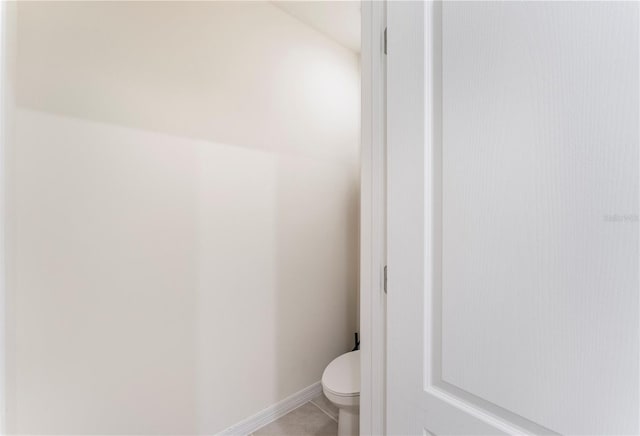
(182, 214)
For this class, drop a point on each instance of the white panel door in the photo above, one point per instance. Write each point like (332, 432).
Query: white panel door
(513, 186)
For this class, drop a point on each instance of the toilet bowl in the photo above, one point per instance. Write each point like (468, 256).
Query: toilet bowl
(341, 385)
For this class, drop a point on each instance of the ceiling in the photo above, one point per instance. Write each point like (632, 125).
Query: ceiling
(339, 20)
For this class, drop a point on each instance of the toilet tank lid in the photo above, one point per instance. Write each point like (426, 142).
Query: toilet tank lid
(342, 375)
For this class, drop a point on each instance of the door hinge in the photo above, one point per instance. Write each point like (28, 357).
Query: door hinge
(385, 40)
(384, 280)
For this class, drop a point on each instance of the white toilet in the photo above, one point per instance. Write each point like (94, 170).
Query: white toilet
(341, 385)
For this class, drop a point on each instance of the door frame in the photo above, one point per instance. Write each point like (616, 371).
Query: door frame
(373, 219)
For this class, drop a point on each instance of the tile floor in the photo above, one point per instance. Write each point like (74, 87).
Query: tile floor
(318, 417)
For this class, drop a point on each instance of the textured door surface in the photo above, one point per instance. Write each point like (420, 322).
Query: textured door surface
(513, 133)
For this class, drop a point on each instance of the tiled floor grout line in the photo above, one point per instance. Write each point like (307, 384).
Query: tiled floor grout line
(323, 411)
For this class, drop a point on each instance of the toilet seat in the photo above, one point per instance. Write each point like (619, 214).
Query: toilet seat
(341, 385)
(342, 376)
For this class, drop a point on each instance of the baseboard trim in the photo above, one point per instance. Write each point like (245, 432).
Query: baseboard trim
(271, 413)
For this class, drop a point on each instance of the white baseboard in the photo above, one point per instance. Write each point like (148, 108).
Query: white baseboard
(271, 413)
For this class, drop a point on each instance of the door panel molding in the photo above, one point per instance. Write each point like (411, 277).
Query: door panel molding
(420, 400)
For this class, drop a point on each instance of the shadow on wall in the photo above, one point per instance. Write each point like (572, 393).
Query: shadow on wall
(277, 278)
(178, 284)
(317, 269)
(202, 280)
